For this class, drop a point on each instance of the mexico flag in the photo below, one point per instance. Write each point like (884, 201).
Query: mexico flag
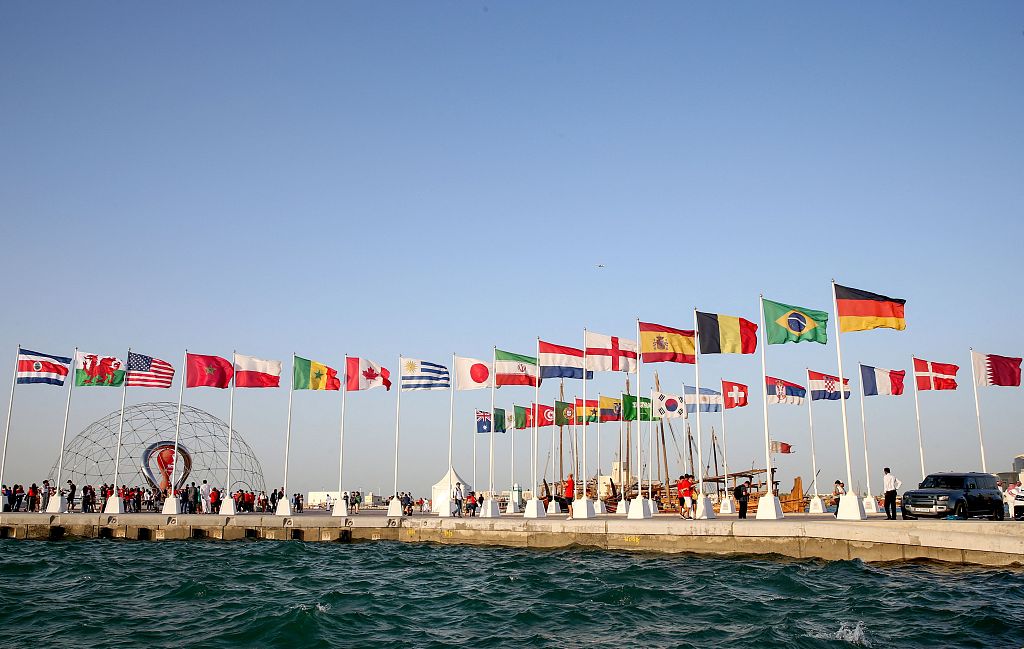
(363, 374)
(252, 372)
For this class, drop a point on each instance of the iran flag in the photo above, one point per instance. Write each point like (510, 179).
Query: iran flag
(472, 374)
(252, 372)
(363, 374)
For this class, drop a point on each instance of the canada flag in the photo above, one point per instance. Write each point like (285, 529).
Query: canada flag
(363, 374)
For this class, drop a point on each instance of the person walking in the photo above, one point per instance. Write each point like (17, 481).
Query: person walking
(204, 494)
(890, 485)
(457, 497)
(569, 494)
(742, 494)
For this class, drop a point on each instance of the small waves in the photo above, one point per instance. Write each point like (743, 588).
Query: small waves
(268, 594)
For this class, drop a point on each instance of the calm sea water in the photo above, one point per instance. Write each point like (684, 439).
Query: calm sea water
(257, 594)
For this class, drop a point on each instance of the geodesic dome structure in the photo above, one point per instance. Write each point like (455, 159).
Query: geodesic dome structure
(147, 456)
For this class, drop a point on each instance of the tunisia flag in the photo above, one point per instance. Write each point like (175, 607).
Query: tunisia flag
(735, 394)
(207, 371)
(547, 415)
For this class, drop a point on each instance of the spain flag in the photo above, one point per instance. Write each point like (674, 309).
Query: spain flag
(860, 310)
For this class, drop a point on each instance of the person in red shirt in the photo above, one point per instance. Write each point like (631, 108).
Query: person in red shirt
(570, 494)
(684, 488)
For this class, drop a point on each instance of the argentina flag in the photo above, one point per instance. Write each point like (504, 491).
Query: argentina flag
(709, 400)
(423, 375)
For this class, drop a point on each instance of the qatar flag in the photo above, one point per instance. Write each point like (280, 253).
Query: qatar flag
(252, 372)
(363, 374)
(472, 374)
(990, 369)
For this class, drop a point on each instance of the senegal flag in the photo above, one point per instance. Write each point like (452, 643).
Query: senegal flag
(310, 375)
(785, 323)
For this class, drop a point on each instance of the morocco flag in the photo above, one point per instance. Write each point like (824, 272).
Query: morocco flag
(363, 374)
(207, 371)
(935, 376)
(252, 372)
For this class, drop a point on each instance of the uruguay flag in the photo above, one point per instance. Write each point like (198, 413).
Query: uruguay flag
(779, 391)
(875, 380)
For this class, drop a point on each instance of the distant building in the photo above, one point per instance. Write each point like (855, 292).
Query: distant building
(1018, 464)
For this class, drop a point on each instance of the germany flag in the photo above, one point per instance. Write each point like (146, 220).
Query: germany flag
(859, 310)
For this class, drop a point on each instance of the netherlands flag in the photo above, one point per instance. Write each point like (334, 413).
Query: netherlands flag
(826, 386)
(779, 391)
(875, 380)
(34, 367)
(559, 361)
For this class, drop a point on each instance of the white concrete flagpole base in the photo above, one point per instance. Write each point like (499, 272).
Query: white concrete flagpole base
(171, 506)
(851, 508)
(534, 509)
(490, 509)
(638, 509)
(870, 505)
(114, 505)
(445, 507)
(652, 504)
(769, 508)
(395, 508)
(554, 507)
(583, 508)
(57, 505)
(727, 506)
(227, 507)
(341, 508)
(817, 506)
(622, 509)
(284, 508)
(599, 507)
(705, 510)
(513, 507)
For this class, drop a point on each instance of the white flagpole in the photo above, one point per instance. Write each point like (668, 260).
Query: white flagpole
(10, 406)
(725, 504)
(650, 455)
(858, 514)
(534, 508)
(917, 415)
(60, 506)
(810, 424)
(599, 423)
(864, 431)
(696, 390)
(768, 506)
(286, 510)
(582, 478)
(398, 421)
(639, 508)
(115, 505)
(977, 413)
(340, 506)
(231, 431)
(451, 434)
(172, 506)
(490, 472)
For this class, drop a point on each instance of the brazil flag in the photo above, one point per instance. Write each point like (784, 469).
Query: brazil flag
(785, 323)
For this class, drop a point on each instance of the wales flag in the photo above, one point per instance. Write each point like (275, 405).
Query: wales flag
(629, 408)
(97, 369)
(785, 323)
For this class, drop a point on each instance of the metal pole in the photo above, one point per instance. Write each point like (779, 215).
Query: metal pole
(494, 424)
(725, 446)
(696, 390)
(10, 406)
(451, 431)
(650, 452)
(917, 415)
(764, 399)
(977, 413)
(842, 401)
(583, 455)
(341, 428)
(810, 423)
(536, 399)
(67, 411)
(120, 423)
(288, 431)
(864, 431)
(639, 416)
(177, 420)
(231, 424)
(398, 421)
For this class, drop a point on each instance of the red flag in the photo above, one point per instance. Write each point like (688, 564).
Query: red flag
(547, 415)
(781, 447)
(990, 369)
(208, 371)
(735, 394)
(935, 376)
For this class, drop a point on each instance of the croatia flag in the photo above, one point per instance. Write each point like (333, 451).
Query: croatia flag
(559, 361)
(779, 391)
(34, 367)
(826, 386)
(875, 381)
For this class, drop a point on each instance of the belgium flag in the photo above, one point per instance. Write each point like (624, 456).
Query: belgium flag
(725, 334)
(859, 310)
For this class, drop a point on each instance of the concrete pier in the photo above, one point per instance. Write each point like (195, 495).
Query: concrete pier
(802, 536)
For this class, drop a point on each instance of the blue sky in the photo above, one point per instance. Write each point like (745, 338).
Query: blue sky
(430, 178)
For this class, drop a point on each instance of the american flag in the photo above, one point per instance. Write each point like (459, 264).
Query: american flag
(148, 372)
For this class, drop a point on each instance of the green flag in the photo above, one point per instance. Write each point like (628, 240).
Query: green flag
(785, 323)
(499, 420)
(522, 416)
(629, 408)
(564, 413)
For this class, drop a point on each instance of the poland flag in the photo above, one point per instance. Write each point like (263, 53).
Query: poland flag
(252, 372)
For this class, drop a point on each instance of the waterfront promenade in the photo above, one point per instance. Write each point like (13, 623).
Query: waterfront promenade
(802, 536)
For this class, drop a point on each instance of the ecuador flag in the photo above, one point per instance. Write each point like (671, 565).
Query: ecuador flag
(725, 334)
(611, 409)
(310, 375)
(660, 344)
(859, 310)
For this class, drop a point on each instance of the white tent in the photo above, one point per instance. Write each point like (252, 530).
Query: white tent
(439, 490)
